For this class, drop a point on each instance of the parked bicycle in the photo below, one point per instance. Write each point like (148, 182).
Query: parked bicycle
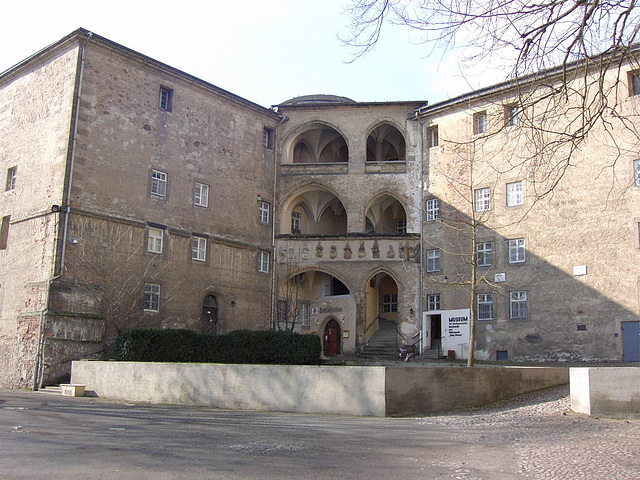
(405, 354)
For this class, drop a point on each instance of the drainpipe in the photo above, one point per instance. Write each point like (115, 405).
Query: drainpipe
(422, 213)
(61, 233)
(276, 149)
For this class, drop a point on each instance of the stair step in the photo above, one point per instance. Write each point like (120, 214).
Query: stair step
(51, 390)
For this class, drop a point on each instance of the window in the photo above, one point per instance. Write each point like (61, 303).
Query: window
(484, 254)
(636, 173)
(634, 83)
(201, 196)
(514, 194)
(152, 297)
(263, 261)
(199, 249)
(155, 240)
(296, 217)
(482, 199)
(433, 260)
(433, 209)
(264, 212)
(11, 178)
(4, 232)
(304, 314)
(267, 137)
(432, 136)
(390, 302)
(516, 250)
(485, 306)
(165, 99)
(479, 122)
(433, 301)
(401, 225)
(282, 313)
(512, 115)
(518, 307)
(158, 183)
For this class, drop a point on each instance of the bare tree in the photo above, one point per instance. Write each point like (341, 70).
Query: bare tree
(565, 81)
(292, 299)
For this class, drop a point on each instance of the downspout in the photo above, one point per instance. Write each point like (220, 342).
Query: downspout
(61, 234)
(422, 214)
(274, 293)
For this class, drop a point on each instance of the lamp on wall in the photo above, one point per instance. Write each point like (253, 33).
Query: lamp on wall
(233, 303)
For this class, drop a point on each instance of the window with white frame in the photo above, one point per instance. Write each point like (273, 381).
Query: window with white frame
(512, 115)
(484, 254)
(304, 314)
(515, 194)
(165, 100)
(479, 123)
(482, 199)
(155, 240)
(636, 173)
(401, 225)
(485, 306)
(4, 232)
(634, 83)
(12, 174)
(152, 297)
(517, 252)
(433, 301)
(296, 219)
(264, 211)
(390, 302)
(433, 209)
(201, 195)
(433, 260)
(267, 137)
(263, 261)
(158, 183)
(199, 249)
(518, 305)
(432, 136)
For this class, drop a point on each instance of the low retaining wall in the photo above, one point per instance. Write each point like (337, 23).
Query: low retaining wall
(338, 390)
(606, 391)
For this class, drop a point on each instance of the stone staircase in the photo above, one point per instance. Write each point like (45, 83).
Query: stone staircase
(383, 343)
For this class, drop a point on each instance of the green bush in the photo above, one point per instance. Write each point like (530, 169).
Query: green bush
(238, 346)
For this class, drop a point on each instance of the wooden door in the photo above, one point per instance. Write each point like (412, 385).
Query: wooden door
(332, 337)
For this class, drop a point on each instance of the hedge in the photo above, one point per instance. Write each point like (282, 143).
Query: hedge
(238, 346)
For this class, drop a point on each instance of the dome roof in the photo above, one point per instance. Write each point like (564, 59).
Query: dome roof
(317, 99)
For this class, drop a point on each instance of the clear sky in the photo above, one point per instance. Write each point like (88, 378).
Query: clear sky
(264, 51)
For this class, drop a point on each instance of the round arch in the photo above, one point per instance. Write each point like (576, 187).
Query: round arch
(315, 199)
(325, 142)
(385, 141)
(385, 213)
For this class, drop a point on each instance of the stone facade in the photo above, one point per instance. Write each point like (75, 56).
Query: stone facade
(138, 195)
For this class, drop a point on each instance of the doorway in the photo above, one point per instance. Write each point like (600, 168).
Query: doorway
(630, 341)
(436, 332)
(332, 336)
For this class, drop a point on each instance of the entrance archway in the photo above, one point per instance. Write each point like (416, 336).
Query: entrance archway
(381, 294)
(209, 317)
(332, 337)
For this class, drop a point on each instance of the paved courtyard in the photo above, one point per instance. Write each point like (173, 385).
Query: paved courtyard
(531, 437)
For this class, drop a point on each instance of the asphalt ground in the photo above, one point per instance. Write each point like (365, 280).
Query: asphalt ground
(530, 437)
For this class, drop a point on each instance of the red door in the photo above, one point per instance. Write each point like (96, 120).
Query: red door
(332, 338)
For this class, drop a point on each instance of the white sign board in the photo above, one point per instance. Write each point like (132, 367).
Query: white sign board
(455, 331)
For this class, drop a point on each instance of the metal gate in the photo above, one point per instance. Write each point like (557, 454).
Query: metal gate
(631, 341)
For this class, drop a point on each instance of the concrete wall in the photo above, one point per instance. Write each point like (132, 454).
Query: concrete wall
(606, 391)
(364, 391)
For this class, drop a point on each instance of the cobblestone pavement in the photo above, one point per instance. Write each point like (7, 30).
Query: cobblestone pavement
(548, 440)
(532, 437)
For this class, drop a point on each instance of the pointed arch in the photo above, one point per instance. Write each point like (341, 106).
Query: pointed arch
(386, 214)
(386, 143)
(315, 142)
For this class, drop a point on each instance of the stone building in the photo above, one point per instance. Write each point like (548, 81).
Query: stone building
(131, 200)
(138, 195)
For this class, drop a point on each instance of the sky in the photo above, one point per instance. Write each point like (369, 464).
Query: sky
(264, 51)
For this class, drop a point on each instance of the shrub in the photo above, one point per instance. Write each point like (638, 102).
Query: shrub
(238, 346)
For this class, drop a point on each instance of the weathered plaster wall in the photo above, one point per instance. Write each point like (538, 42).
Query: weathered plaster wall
(590, 219)
(35, 112)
